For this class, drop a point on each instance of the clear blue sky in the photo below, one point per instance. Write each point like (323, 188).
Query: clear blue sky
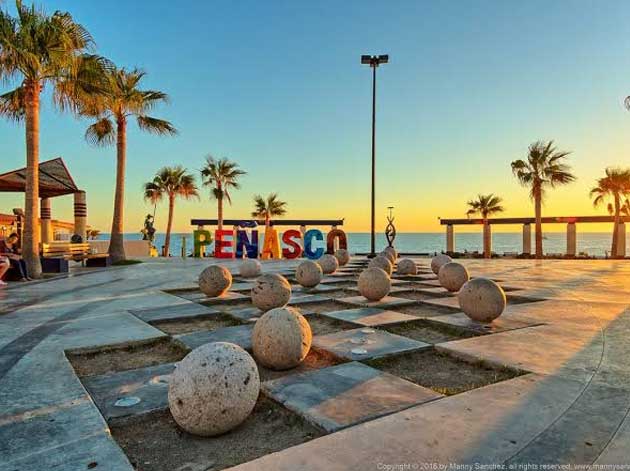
(278, 87)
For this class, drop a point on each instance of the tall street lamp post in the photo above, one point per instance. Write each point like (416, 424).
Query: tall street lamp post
(373, 62)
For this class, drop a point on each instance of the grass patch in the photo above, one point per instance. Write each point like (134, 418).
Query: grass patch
(442, 373)
(427, 332)
(154, 442)
(195, 324)
(126, 357)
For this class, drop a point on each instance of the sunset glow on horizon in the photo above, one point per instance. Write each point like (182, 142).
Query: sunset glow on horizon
(279, 89)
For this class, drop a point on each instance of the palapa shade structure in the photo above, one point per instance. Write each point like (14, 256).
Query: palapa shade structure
(54, 180)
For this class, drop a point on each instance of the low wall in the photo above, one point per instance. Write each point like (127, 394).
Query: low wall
(133, 248)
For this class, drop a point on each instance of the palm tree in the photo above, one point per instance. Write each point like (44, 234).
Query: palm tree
(485, 205)
(221, 175)
(268, 208)
(123, 99)
(170, 182)
(38, 50)
(544, 167)
(615, 185)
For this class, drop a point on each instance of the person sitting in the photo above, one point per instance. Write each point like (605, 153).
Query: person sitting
(4, 267)
(8, 249)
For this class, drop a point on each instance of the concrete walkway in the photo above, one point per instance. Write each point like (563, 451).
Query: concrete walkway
(573, 407)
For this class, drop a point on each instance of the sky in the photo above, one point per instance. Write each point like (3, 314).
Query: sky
(278, 87)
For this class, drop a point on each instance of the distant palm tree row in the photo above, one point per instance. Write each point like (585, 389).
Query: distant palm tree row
(221, 176)
(545, 167)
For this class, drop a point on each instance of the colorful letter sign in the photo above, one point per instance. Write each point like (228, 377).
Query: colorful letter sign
(243, 242)
(271, 247)
(220, 244)
(201, 238)
(309, 251)
(235, 244)
(330, 240)
(294, 250)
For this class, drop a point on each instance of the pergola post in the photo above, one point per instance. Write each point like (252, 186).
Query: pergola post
(487, 241)
(527, 239)
(80, 214)
(571, 240)
(621, 240)
(450, 239)
(46, 223)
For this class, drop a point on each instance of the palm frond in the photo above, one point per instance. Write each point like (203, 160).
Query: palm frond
(12, 104)
(101, 133)
(156, 126)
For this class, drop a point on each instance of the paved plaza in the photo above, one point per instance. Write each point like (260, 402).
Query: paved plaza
(562, 347)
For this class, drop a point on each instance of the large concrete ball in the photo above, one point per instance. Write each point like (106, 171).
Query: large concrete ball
(342, 256)
(250, 268)
(382, 262)
(453, 275)
(374, 284)
(309, 273)
(281, 338)
(213, 389)
(438, 261)
(329, 263)
(391, 254)
(482, 299)
(271, 291)
(215, 280)
(406, 266)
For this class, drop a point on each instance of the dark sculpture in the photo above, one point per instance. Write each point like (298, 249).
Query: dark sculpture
(390, 230)
(148, 231)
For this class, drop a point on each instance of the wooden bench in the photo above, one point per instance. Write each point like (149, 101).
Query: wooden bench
(56, 255)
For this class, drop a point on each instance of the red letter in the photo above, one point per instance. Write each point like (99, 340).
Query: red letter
(220, 244)
(293, 250)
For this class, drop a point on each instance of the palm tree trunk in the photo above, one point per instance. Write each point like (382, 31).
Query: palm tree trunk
(169, 225)
(116, 245)
(615, 235)
(486, 235)
(220, 212)
(31, 234)
(539, 235)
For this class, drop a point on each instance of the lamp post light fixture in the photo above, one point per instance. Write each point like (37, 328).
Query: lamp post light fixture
(373, 62)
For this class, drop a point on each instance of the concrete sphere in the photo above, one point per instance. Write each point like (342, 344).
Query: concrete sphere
(215, 280)
(342, 256)
(382, 262)
(438, 261)
(281, 338)
(309, 274)
(482, 299)
(250, 268)
(270, 291)
(374, 284)
(391, 254)
(213, 389)
(453, 275)
(406, 266)
(329, 263)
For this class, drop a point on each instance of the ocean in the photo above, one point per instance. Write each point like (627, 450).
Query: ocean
(593, 243)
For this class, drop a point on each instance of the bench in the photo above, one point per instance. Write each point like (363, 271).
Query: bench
(56, 255)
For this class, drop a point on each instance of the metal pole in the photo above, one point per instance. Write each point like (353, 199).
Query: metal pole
(373, 236)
